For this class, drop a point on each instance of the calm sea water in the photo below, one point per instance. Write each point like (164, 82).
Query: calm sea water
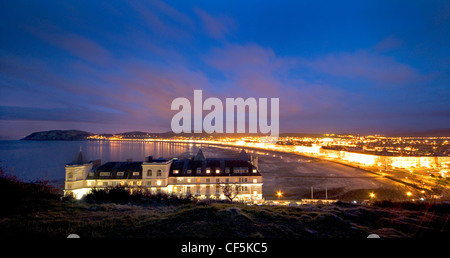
(30, 160)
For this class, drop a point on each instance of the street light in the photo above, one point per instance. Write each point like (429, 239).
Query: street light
(408, 193)
(372, 195)
(279, 194)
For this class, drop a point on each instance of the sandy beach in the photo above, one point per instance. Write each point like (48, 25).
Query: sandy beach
(294, 175)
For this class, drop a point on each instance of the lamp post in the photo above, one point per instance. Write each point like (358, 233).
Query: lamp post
(372, 195)
(279, 194)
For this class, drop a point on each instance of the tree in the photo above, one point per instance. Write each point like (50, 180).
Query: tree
(231, 191)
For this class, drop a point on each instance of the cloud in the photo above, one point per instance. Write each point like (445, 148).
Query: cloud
(75, 44)
(217, 26)
(163, 20)
(368, 66)
(388, 44)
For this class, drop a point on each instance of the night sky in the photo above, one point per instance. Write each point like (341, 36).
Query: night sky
(115, 66)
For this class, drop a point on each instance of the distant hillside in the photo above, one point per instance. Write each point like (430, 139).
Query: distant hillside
(58, 135)
(444, 132)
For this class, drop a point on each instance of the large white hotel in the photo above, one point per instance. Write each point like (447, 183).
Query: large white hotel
(198, 176)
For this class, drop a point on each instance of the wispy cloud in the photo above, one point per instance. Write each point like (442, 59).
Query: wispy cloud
(218, 26)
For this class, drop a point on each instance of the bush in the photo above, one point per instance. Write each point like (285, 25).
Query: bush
(121, 194)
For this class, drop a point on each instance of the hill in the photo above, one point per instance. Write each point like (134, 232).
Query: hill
(58, 135)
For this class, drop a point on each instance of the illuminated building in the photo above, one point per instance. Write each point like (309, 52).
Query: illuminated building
(199, 176)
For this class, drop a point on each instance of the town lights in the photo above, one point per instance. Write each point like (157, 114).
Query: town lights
(408, 193)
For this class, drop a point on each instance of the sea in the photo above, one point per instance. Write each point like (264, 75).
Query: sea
(45, 160)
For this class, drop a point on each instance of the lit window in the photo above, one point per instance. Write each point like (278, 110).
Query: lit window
(255, 180)
(130, 183)
(254, 170)
(122, 183)
(208, 171)
(119, 173)
(189, 171)
(188, 180)
(255, 192)
(158, 182)
(199, 170)
(104, 173)
(105, 183)
(138, 183)
(175, 171)
(227, 170)
(89, 183)
(217, 171)
(198, 180)
(135, 173)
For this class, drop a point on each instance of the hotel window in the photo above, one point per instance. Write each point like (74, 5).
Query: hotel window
(188, 180)
(130, 183)
(255, 180)
(104, 173)
(217, 171)
(198, 180)
(149, 182)
(158, 173)
(208, 170)
(122, 183)
(227, 180)
(89, 183)
(176, 171)
(217, 180)
(105, 183)
(135, 173)
(70, 175)
(254, 170)
(188, 190)
(189, 171)
(120, 173)
(138, 183)
(149, 172)
(199, 170)
(217, 189)
(91, 174)
(158, 182)
(227, 170)
(208, 190)
(69, 186)
(208, 180)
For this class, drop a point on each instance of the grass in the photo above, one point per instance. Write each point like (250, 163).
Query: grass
(37, 210)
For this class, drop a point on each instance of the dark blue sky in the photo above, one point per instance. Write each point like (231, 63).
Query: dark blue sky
(113, 66)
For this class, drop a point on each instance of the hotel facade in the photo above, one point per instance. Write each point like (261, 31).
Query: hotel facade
(198, 176)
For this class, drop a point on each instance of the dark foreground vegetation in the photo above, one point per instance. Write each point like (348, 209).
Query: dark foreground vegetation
(38, 210)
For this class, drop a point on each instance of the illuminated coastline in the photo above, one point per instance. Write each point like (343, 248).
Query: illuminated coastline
(394, 160)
